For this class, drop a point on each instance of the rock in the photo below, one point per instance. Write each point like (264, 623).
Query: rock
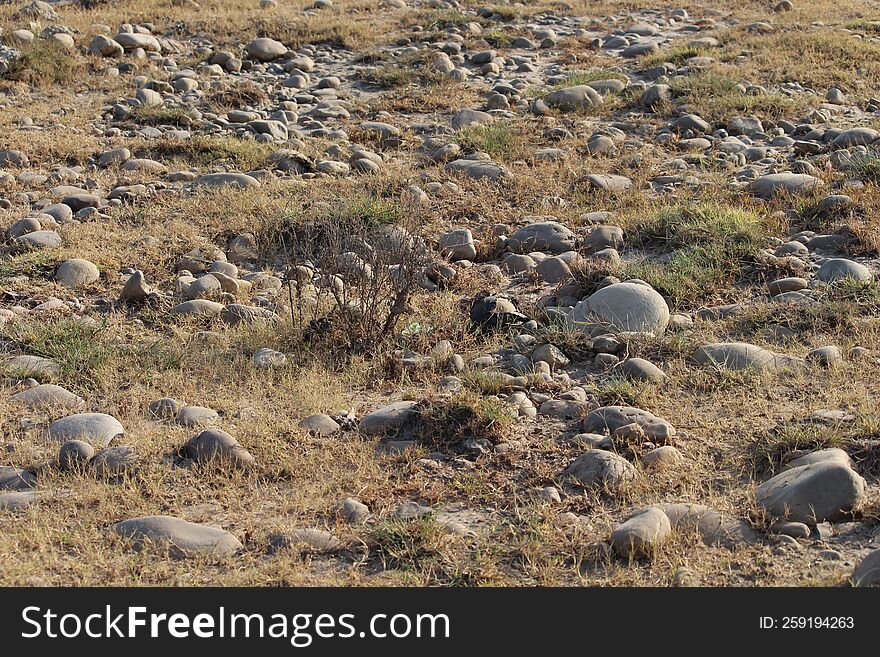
(265, 50)
(132, 40)
(609, 419)
(389, 419)
(479, 169)
(601, 469)
(624, 307)
(12, 478)
(135, 289)
(196, 416)
(48, 397)
(95, 428)
(239, 180)
(573, 99)
(353, 511)
(825, 356)
(639, 369)
(551, 355)
(836, 269)
(715, 528)
(216, 446)
(47, 239)
(197, 307)
(19, 500)
(165, 409)
(75, 455)
(468, 118)
(548, 236)
(662, 458)
(268, 358)
(609, 182)
(28, 366)
(641, 535)
(867, 573)
(824, 491)
(317, 539)
(774, 185)
(793, 529)
(320, 424)
(115, 462)
(179, 537)
(829, 454)
(855, 137)
(457, 244)
(740, 356)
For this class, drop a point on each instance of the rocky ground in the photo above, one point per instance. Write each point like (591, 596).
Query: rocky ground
(418, 292)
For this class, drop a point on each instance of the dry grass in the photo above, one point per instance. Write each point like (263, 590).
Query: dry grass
(734, 428)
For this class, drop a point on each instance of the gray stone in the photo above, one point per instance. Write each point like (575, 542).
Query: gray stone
(115, 462)
(216, 446)
(601, 469)
(97, 429)
(867, 573)
(12, 478)
(48, 396)
(389, 419)
(75, 455)
(641, 535)
(837, 269)
(197, 416)
(824, 491)
(774, 185)
(715, 527)
(320, 424)
(640, 369)
(624, 307)
(179, 537)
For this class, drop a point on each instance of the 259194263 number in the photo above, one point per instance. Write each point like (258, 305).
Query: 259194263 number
(816, 622)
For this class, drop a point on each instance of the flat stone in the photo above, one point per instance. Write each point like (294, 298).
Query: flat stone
(715, 527)
(179, 537)
(389, 419)
(12, 478)
(836, 269)
(48, 396)
(320, 424)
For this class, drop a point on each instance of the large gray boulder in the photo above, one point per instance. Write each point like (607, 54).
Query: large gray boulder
(627, 307)
(96, 429)
(819, 492)
(867, 573)
(741, 356)
(836, 269)
(47, 397)
(216, 446)
(265, 49)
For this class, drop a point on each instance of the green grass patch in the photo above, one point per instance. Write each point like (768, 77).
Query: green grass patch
(33, 264)
(147, 115)
(81, 350)
(244, 154)
(44, 63)
(698, 249)
(718, 97)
